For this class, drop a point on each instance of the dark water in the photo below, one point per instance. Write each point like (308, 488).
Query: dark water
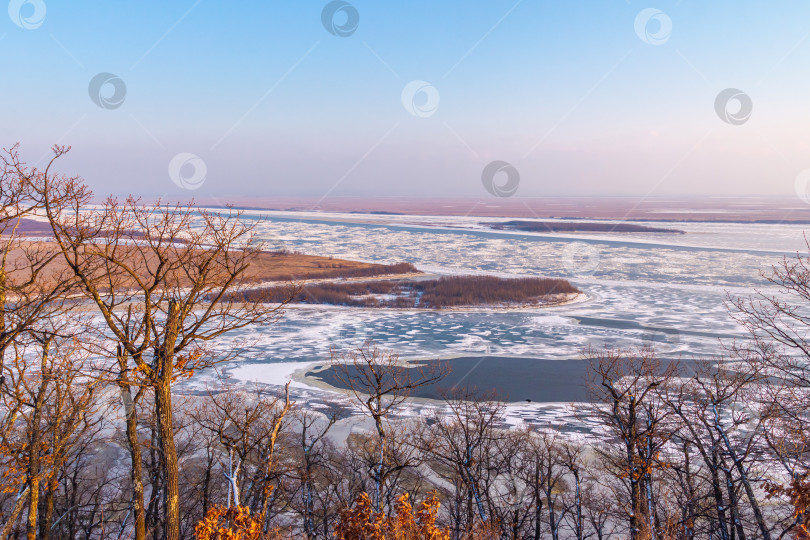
(512, 379)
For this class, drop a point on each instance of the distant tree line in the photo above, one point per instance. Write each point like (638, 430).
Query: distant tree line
(101, 436)
(579, 226)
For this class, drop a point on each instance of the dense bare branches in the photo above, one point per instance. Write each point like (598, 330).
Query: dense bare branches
(32, 288)
(159, 277)
(380, 383)
(627, 386)
(50, 405)
(461, 443)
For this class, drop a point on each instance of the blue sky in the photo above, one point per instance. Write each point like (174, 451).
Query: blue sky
(275, 105)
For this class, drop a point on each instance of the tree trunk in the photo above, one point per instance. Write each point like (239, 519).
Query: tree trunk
(718, 496)
(72, 519)
(749, 491)
(578, 506)
(206, 502)
(47, 518)
(3, 342)
(33, 503)
(34, 464)
(12, 518)
(307, 504)
(552, 515)
(171, 487)
(33, 508)
(734, 506)
(268, 488)
(689, 490)
(307, 483)
(154, 510)
(163, 413)
(648, 481)
(635, 478)
(136, 460)
(380, 464)
(538, 501)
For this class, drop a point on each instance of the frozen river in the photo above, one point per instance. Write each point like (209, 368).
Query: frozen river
(664, 290)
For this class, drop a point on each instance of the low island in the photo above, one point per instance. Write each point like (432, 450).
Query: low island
(421, 292)
(577, 226)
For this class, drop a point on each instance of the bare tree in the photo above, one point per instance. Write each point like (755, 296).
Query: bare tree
(778, 322)
(625, 386)
(159, 277)
(598, 504)
(50, 405)
(716, 420)
(247, 428)
(461, 436)
(380, 382)
(543, 463)
(32, 287)
(570, 456)
(513, 502)
(313, 457)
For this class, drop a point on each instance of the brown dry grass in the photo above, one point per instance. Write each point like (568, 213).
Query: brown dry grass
(270, 266)
(266, 266)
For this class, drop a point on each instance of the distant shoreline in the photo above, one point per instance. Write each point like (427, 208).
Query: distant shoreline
(576, 226)
(765, 211)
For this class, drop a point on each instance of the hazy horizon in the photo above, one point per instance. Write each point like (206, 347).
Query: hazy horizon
(322, 99)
